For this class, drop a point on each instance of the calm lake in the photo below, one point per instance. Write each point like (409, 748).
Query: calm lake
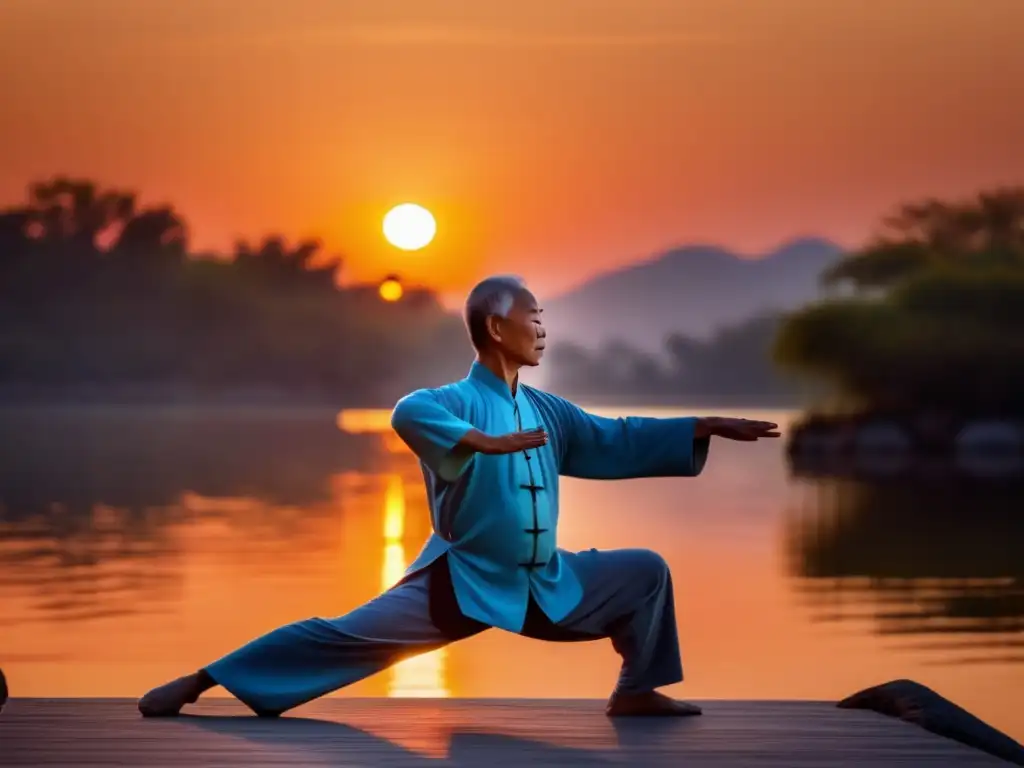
(137, 545)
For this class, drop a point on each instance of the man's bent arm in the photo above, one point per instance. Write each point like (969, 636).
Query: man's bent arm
(600, 448)
(444, 442)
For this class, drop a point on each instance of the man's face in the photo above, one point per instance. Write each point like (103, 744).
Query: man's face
(521, 334)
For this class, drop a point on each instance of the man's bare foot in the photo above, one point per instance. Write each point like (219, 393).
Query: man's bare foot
(650, 704)
(168, 699)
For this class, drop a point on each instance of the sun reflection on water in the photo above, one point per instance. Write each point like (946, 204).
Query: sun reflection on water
(421, 676)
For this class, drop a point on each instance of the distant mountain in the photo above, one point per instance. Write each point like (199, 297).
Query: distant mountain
(694, 290)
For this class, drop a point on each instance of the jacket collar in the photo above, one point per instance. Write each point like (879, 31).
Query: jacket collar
(483, 375)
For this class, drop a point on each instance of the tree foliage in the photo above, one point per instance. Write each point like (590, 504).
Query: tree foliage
(734, 365)
(984, 232)
(99, 293)
(937, 318)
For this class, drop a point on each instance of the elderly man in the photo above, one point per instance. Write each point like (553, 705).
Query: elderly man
(492, 450)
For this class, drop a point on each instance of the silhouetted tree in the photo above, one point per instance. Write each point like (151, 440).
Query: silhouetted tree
(102, 297)
(940, 319)
(984, 232)
(735, 364)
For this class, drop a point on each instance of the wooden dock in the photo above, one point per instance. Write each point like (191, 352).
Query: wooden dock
(492, 733)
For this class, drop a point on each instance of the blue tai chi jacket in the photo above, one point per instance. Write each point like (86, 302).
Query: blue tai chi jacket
(496, 517)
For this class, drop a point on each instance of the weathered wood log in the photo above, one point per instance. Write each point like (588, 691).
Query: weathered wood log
(915, 703)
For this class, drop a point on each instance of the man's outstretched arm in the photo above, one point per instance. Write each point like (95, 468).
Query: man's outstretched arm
(446, 443)
(600, 448)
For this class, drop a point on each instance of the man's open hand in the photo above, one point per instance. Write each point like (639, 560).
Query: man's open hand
(736, 429)
(513, 442)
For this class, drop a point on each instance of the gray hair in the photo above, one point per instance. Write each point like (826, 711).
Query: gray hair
(491, 296)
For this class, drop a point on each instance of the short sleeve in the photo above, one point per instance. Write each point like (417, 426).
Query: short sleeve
(432, 432)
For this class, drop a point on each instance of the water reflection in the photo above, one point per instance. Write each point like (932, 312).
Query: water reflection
(420, 676)
(135, 545)
(937, 568)
(93, 504)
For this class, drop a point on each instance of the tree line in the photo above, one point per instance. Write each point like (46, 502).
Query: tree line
(101, 297)
(929, 313)
(734, 366)
(104, 298)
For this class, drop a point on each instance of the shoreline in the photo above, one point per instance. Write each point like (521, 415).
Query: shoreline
(906, 446)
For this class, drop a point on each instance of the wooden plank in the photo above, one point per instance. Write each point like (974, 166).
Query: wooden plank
(465, 732)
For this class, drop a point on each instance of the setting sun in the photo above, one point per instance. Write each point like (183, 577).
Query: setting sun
(409, 227)
(391, 289)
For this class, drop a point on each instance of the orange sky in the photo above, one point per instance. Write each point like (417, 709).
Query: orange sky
(590, 131)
